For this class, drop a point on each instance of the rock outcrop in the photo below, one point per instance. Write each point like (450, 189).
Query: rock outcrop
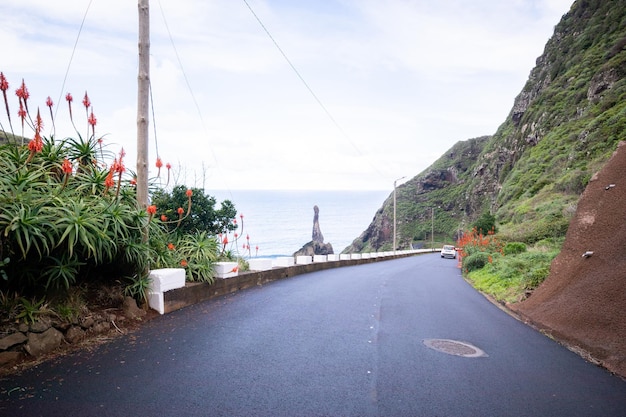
(47, 335)
(317, 235)
(316, 246)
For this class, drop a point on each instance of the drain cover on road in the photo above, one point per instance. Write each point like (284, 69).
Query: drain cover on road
(455, 347)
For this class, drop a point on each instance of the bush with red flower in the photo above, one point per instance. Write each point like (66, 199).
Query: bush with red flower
(69, 214)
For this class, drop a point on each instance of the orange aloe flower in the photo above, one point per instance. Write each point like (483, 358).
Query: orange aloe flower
(38, 122)
(22, 113)
(50, 103)
(69, 99)
(109, 181)
(92, 122)
(67, 166)
(188, 193)
(23, 94)
(86, 101)
(4, 86)
(159, 164)
(151, 211)
(67, 170)
(35, 145)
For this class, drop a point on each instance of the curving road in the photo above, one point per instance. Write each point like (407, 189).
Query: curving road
(407, 337)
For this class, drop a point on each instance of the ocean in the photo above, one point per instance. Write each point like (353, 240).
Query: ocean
(281, 222)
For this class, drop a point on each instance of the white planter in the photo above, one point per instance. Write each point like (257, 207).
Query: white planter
(166, 279)
(303, 259)
(163, 280)
(156, 302)
(260, 264)
(225, 269)
(284, 261)
(320, 258)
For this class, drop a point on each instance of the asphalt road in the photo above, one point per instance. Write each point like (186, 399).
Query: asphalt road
(342, 342)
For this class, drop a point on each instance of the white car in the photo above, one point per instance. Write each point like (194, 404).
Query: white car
(448, 251)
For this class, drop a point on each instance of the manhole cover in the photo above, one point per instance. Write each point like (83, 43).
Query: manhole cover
(455, 347)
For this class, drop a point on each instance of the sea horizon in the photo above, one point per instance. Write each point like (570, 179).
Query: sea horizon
(280, 222)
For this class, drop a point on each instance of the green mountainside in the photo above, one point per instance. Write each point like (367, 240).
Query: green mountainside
(564, 125)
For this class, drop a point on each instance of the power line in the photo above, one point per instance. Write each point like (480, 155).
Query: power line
(295, 70)
(193, 97)
(67, 71)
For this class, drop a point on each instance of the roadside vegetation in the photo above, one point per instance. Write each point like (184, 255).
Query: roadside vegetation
(507, 271)
(71, 227)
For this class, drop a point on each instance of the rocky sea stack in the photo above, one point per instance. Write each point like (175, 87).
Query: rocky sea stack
(316, 246)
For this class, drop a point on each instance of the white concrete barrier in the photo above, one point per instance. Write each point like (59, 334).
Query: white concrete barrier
(332, 257)
(344, 256)
(320, 258)
(355, 256)
(366, 255)
(225, 269)
(284, 261)
(163, 280)
(260, 264)
(166, 279)
(303, 259)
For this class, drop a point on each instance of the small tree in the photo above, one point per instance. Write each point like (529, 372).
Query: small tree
(486, 223)
(203, 218)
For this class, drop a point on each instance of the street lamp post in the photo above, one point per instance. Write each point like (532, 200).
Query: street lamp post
(394, 214)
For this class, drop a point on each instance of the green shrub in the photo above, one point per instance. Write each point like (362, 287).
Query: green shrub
(198, 252)
(486, 223)
(138, 287)
(475, 261)
(536, 276)
(508, 278)
(513, 248)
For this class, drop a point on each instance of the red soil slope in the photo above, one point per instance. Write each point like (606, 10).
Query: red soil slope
(583, 301)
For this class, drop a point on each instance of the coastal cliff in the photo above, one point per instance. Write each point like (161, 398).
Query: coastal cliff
(562, 128)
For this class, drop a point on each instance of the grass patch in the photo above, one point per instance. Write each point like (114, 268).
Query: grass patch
(509, 278)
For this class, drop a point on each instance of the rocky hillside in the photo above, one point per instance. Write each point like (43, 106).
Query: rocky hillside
(582, 301)
(563, 127)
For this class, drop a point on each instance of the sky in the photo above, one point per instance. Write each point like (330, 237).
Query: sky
(340, 95)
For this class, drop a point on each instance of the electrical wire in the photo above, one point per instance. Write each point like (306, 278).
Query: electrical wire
(69, 64)
(156, 143)
(193, 97)
(319, 102)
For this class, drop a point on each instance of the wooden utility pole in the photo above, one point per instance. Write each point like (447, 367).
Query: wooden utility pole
(143, 107)
(394, 214)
